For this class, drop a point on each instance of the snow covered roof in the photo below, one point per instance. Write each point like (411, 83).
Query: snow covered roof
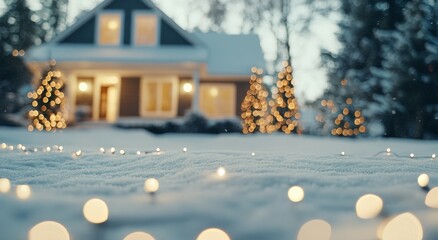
(232, 54)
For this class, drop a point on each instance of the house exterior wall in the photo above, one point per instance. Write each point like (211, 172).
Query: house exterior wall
(129, 97)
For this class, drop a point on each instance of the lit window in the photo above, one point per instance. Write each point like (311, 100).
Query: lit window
(218, 100)
(109, 28)
(145, 30)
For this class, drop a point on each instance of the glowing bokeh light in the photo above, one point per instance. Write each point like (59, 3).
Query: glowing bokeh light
(83, 86)
(342, 153)
(139, 236)
(102, 150)
(5, 185)
(187, 87)
(253, 154)
(296, 194)
(112, 150)
(221, 172)
(151, 185)
(138, 153)
(158, 150)
(433, 156)
(411, 155)
(23, 192)
(213, 234)
(122, 152)
(432, 198)
(369, 206)
(315, 230)
(423, 180)
(184, 150)
(78, 153)
(48, 230)
(96, 211)
(388, 150)
(403, 226)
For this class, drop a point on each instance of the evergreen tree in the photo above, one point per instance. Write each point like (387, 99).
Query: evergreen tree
(285, 113)
(53, 18)
(48, 103)
(409, 62)
(358, 58)
(255, 106)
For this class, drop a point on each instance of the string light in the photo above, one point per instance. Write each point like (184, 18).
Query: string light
(403, 226)
(23, 192)
(158, 150)
(284, 113)
(151, 185)
(342, 153)
(102, 150)
(78, 153)
(5, 185)
(433, 156)
(255, 106)
(138, 153)
(139, 236)
(48, 230)
(122, 152)
(96, 211)
(431, 199)
(213, 234)
(315, 230)
(47, 103)
(184, 150)
(296, 194)
(423, 180)
(221, 171)
(253, 154)
(411, 155)
(112, 150)
(369, 206)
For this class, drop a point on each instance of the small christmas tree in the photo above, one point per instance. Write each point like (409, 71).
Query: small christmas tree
(48, 103)
(255, 106)
(348, 121)
(285, 113)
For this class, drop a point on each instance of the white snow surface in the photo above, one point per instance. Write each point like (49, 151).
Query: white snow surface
(250, 203)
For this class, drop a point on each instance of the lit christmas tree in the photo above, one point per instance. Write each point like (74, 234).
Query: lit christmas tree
(255, 106)
(48, 103)
(285, 113)
(348, 121)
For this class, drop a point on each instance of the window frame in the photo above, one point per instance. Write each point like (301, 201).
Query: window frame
(134, 15)
(159, 80)
(121, 28)
(229, 86)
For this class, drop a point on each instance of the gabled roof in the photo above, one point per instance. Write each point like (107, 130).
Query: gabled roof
(147, 3)
(232, 54)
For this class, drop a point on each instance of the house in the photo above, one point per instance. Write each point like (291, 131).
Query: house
(126, 58)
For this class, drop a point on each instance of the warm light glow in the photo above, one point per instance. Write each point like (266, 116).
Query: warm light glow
(23, 192)
(403, 226)
(113, 25)
(411, 155)
(253, 154)
(138, 153)
(369, 206)
(102, 150)
(5, 185)
(213, 234)
(78, 153)
(432, 198)
(423, 180)
(48, 230)
(221, 171)
(433, 156)
(96, 211)
(296, 194)
(214, 92)
(139, 236)
(388, 150)
(184, 149)
(158, 150)
(342, 153)
(83, 86)
(122, 152)
(315, 230)
(151, 185)
(112, 150)
(187, 87)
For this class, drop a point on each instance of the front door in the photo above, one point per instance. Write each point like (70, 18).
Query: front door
(106, 99)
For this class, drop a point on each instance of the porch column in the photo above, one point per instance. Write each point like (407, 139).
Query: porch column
(195, 100)
(71, 86)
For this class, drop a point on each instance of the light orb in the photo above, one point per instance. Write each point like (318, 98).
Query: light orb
(388, 150)
(23, 192)
(138, 153)
(3, 145)
(315, 230)
(48, 230)
(151, 185)
(48, 149)
(342, 153)
(403, 226)
(213, 234)
(369, 206)
(184, 150)
(423, 180)
(187, 87)
(11, 148)
(102, 150)
(433, 156)
(122, 152)
(5, 185)
(296, 194)
(139, 236)
(221, 172)
(96, 211)
(112, 150)
(78, 153)
(411, 155)
(253, 154)
(432, 198)
(61, 148)
(158, 150)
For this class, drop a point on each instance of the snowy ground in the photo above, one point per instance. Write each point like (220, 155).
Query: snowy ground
(250, 203)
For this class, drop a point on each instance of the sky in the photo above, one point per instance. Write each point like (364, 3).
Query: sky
(310, 77)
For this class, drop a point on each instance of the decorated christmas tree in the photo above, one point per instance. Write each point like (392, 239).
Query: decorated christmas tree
(255, 106)
(48, 102)
(285, 113)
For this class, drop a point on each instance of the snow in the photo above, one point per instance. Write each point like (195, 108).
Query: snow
(250, 202)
